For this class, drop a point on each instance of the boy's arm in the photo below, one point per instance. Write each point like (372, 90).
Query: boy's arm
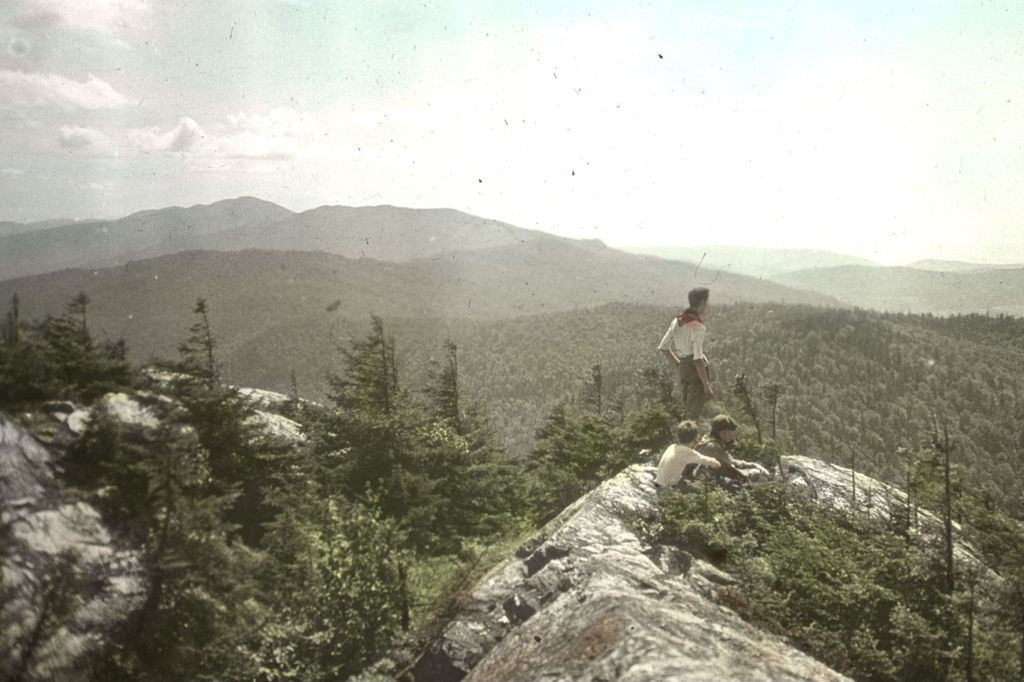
(666, 343)
(707, 461)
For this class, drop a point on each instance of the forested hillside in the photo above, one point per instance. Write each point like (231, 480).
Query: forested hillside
(849, 381)
(146, 302)
(437, 440)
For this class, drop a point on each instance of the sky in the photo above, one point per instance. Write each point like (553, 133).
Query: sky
(892, 131)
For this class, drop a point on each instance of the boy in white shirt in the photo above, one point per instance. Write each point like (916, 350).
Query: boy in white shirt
(681, 453)
(683, 344)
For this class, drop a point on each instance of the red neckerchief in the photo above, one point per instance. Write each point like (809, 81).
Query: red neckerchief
(688, 315)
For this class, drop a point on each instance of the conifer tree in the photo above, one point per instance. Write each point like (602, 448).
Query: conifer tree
(473, 481)
(24, 371)
(12, 324)
(742, 389)
(57, 358)
(595, 390)
(153, 484)
(574, 452)
(772, 391)
(239, 461)
(370, 383)
(443, 390)
(367, 424)
(77, 307)
(197, 351)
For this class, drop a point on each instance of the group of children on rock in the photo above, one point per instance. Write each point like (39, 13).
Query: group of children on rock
(683, 344)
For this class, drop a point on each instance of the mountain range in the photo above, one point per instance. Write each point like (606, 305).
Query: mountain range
(9, 227)
(380, 232)
(894, 289)
(148, 302)
(262, 266)
(960, 266)
(940, 287)
(749, 260)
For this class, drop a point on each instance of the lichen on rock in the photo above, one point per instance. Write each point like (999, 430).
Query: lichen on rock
(588, 599)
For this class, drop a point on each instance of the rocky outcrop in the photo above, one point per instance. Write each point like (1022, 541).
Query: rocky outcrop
(587, 599)
(840, 488)
(65, 581)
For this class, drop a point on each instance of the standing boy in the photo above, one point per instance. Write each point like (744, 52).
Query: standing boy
(683, 343)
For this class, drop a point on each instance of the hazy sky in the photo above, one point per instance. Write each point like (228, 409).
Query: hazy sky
(891, 130)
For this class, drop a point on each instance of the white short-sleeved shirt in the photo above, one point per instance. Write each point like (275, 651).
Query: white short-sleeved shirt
(685, 340)
(675, 459)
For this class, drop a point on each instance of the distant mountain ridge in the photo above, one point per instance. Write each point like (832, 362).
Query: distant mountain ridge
(960, 266)
(382, 232)
(387, 233)
(11, 227)
(750, 260)
(148, 302)
(144, 234)
(901, 289)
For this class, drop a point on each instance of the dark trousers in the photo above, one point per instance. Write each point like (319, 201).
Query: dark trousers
(694, 397)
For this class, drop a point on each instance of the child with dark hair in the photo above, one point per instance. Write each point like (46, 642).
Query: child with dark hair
(718, 443)
(683, 343)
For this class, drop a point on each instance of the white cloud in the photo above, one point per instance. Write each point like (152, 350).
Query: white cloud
(184, 137)
(78, 138)
(106, 16)
(280, 134)
(51, 90)
(95, 186)
(11, 171)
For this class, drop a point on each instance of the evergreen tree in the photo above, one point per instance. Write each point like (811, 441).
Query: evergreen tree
(25, 373)
(473, 480)
(772, 391)
(574, 453)
(12, 324)
(594, 391)
(370, 383)
(154, 484)
(443, 390)
(198, 360)
(57, 358)
(367, 425)
(77, 308)
(241, 462)
(741, 387)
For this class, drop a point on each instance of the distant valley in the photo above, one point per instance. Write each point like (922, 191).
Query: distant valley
(961, 266)
(939, 287)
(998, 291)
(753, 261)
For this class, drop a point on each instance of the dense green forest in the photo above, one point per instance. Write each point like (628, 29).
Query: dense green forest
(861, 593)
(435, 440)
(853, 385)
(269, 561)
